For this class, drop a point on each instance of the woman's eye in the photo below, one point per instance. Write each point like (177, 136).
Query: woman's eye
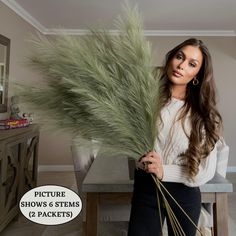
(179, 57)
(192, 64)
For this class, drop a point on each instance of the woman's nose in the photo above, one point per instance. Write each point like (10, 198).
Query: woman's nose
(181, 65)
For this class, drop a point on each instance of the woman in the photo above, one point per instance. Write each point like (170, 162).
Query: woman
(185, 152)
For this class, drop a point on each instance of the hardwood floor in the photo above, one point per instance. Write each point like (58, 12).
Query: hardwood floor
(23, 227)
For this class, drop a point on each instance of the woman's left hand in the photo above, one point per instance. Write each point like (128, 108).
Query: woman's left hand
(152, 164)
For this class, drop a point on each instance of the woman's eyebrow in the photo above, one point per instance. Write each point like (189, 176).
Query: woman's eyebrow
(182, 53)
(185, 56)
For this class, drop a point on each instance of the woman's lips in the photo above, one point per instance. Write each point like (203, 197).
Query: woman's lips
(177, 74)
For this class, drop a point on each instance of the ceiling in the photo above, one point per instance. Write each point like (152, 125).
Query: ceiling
(161, 17)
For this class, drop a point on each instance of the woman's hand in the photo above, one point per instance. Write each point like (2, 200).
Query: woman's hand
(152, 164)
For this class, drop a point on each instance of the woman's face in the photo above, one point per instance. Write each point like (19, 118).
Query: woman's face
(185, 65)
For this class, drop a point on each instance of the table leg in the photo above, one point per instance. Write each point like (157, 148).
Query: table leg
(92, 211)
(221, 215)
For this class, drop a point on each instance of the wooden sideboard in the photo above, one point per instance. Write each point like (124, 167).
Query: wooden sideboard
(18, 168)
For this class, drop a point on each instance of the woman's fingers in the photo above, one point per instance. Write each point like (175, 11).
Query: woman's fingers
(152, 159)
(152, 164)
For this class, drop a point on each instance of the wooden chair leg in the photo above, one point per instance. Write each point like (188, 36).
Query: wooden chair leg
(91, 226)
(221, 220)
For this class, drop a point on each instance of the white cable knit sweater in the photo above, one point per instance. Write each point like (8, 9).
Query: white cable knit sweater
(173, 141)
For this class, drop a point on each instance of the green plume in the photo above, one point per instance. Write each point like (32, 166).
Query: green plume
(100, 86)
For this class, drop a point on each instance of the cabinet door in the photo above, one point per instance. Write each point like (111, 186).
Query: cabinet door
(29, 163)
(9, 185)
(18, 169)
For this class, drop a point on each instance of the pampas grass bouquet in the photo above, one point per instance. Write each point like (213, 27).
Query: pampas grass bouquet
(101, 87)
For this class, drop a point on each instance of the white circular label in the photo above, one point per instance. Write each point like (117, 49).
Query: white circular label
(50, 205)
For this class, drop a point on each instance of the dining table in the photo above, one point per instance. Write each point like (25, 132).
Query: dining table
(110, 180)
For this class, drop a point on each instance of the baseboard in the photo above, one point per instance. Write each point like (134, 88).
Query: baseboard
(55, 168)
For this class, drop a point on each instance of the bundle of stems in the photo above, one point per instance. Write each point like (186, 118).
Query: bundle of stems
(100, 86)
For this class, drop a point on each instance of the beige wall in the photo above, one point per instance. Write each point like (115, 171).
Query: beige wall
(55, 148)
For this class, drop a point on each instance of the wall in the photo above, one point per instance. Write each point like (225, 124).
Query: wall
(55, 147)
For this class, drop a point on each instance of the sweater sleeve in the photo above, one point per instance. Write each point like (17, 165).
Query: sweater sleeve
(178, 173)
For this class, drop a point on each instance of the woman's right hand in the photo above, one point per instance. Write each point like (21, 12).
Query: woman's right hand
(152, 163)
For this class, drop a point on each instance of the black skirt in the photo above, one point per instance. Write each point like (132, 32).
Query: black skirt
(146, 217)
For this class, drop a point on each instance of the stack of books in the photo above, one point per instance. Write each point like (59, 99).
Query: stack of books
(12, 123)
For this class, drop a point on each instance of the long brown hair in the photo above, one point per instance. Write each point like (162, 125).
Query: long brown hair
(200, 103)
